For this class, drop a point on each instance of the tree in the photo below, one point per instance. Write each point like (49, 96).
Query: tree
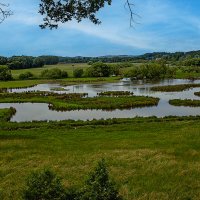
(44, 185)
(5, 73)
(55, 11)
(99, 186)
(99, 69)
(78, 73)
(54, 73)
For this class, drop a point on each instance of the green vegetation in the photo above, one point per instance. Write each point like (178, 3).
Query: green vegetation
(68, 81)
(115, 93)
(53, 74)
(185, 102)
(69, 68)
(174, 88)
(76, 102)
(6, 114)
(99, 69)
(197, 94)
(46, 185)
(5, 73)
(25, 76)
(151, 158)
(78, 73)
(154, 70)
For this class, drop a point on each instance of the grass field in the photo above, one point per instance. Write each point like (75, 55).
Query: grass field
(37, 71)
(149, 159)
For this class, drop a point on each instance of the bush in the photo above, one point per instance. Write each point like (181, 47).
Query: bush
(78, 73)
(152, 71)
(25, 75)
(5, 73)
(98, 186)
(99, 69)
(54, 73)
(46, 185)
(43, 185)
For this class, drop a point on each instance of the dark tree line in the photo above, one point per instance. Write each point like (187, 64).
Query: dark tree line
(26, 62)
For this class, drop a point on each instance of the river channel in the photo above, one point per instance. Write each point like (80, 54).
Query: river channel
(40, 111)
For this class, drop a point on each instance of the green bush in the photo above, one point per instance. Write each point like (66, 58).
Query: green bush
(99, 69)
(43, 185)
(25, 76)
(54, 73)
(78, 73)
(46, 185)
(98, 186)
(5, 73)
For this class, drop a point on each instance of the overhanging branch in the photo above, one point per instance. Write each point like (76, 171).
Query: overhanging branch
(4, 12)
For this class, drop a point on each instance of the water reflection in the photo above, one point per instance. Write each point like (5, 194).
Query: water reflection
(40, 111)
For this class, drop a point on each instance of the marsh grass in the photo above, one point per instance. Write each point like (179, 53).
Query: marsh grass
(197, 94)
(185, 102)
(6, 114)
(151, 159)
(174, 88)
(115, 93)
(73, 101)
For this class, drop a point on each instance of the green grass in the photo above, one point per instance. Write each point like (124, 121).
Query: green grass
(174, 88)
(150, 159)
(6, 114)
(37, 71)
(197, 94)
(185, 102)
(76, 102)
(67, 81)
(187, 75)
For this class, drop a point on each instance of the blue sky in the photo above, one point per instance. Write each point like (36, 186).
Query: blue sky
(164, 25)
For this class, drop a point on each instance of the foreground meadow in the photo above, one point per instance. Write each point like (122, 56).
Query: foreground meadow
(149, 158)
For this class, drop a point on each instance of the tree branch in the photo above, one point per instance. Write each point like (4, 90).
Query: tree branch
(130, 6)
(4, 12)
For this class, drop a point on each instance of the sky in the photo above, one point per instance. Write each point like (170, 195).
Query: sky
(163, 25)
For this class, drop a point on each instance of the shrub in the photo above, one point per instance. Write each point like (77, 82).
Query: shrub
(43, 185)
(98, 186)
(25, 75)
(99, 69)
(78, 73)
(5, 73)
(54, 73)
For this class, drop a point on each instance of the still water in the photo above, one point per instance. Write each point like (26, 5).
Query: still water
(40, 111)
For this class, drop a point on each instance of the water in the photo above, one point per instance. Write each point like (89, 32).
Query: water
(40, 111)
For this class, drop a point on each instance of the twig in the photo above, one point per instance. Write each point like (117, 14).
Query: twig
(4, 13)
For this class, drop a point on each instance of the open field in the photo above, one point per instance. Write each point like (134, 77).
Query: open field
(37, 71)
(151, 159)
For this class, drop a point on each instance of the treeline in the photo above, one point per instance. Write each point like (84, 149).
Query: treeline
(26, 62)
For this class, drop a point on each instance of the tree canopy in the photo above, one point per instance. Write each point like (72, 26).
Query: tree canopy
(62, 11)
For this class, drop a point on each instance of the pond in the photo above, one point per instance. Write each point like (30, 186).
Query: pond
(40, 111)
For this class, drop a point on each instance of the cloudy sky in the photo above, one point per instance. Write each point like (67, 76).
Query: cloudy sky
(164, 25)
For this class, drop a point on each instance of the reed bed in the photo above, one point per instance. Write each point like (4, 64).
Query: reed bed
(174, 88)
(185, 102)
(79, 101)
(115, 93)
